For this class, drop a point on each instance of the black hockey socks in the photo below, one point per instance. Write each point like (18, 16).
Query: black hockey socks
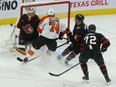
(84, 67)
(65, 52)
(85, 71)
(104, 72)
(71, 56)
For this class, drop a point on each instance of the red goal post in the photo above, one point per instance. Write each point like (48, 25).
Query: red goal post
(62, 9)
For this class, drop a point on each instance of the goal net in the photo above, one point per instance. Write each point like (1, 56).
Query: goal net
(62, 9)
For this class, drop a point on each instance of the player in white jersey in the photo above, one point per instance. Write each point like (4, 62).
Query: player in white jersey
(50, 29)
(50, 26)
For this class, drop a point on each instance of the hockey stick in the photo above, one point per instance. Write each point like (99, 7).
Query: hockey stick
(52, 74)
(62, 44)
(21, 60)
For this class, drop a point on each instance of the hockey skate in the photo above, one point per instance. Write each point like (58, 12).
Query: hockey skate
(108, 81)
(86, 76)
(59, 56)
(66, 62)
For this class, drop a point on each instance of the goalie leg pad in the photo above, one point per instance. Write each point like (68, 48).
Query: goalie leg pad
(30, 52)
(20, 50)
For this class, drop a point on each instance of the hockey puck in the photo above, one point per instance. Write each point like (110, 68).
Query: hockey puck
(11, 24)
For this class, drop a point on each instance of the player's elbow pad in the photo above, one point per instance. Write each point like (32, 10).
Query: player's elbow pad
(107, 44)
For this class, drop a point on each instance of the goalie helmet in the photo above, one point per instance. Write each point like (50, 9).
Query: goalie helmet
(91, 28)
(30, 12)
(79, 17)
(51, 12)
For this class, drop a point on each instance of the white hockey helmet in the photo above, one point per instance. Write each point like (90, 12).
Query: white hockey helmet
(51, 12)
(30, 12)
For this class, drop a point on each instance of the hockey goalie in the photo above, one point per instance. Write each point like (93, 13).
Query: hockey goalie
(27, 24)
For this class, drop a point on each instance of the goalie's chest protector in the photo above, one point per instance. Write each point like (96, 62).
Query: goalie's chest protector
(29, 27)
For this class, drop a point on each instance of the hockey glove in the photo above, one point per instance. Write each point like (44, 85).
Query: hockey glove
(103, 49)
(69, 34)
(60, 36)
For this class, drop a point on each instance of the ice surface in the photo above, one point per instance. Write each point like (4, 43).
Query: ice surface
(35, 73)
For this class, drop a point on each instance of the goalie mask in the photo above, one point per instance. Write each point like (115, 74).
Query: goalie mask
(30, 12)
(91, 28)
(50, 12)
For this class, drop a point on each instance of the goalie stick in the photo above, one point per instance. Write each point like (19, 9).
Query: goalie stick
(52, 74)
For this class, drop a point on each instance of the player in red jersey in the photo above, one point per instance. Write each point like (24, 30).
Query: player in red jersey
(93, 45)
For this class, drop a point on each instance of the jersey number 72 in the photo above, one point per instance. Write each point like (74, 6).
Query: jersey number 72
(91, 40)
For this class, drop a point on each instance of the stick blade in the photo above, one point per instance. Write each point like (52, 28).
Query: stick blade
(54, 74)
(19, 59)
